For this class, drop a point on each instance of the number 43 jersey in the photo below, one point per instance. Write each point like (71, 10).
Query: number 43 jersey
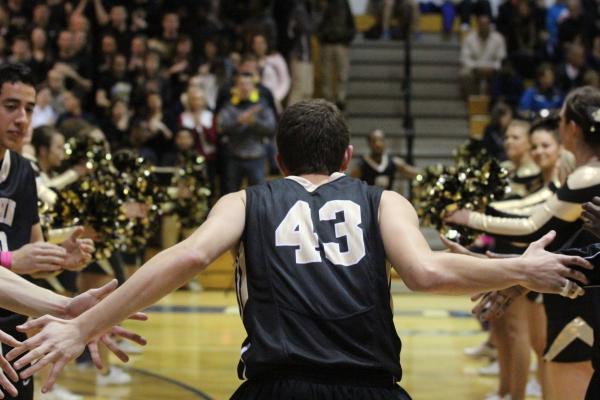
(312, 280)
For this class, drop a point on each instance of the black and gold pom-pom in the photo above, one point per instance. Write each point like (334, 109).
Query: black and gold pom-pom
(472, 183)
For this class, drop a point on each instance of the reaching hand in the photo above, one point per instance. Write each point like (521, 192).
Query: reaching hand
(456, 248)
(38, 257)
(458, 217)
(591, 216)
(79, 251)
(493, 304)
(6, 368)
(550, 273)
(60, 341)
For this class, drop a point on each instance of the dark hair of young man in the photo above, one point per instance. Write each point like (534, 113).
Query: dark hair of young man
(15, 72)
(312, 138)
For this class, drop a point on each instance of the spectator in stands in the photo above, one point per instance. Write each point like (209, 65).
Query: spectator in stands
(183, 66)
(335, 32)
(554, 15)
(43, 113)
(150, 79)
(493, 135)
(244, 121)
(116, 84)
(153, 134)
(521, 28)
(506, 85)
(544, 95)
(137, 53)
(197, 118)
(165, 44)
(108, 50)
(114, 23)
(41, 55)
(72, 100)
(379, 167)
(274, 74)
(406, 12)
(572, 28)
(56, 84)
(215, 71)
(116, 125)
(481, 55)
(299, 31)
(570, 74)
(593, 60)
(75, 70)
(20, 51)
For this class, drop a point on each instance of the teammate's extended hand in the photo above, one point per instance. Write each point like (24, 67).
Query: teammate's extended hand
(551, 273)
(6, 368)
(493, 304)
(79, 251)
(38, 257)
(58, 342)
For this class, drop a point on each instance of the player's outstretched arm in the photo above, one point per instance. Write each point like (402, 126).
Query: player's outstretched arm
(60, 341)
(425, 270)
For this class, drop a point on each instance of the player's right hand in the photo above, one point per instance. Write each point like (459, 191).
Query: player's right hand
(38, 257)
(6, 368)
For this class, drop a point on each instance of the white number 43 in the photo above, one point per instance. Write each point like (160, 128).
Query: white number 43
(297, 230)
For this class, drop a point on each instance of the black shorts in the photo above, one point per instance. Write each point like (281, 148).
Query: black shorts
(299, 389)
(24, 386)
(560, 312)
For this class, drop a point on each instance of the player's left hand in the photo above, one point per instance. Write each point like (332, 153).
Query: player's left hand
(79, 250)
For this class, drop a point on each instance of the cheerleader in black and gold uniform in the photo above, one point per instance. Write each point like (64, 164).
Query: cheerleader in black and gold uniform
(570, 322)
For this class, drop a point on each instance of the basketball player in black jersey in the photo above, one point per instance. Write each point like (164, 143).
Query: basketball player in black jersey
(312, 280)
(20, 231)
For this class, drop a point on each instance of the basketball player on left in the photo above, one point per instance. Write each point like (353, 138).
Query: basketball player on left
(22, 246)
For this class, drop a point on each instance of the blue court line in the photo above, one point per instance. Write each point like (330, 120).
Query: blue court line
(180, 309)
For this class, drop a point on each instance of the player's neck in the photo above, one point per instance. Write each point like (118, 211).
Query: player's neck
(316, 179)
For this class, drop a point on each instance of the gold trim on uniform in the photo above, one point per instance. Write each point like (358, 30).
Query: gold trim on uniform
(576, 329)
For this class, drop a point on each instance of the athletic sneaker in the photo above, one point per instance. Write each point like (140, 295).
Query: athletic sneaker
(59, 392)
(493, 369)
(485, 349)
(533, 388)
(115, 376)
(496, 396)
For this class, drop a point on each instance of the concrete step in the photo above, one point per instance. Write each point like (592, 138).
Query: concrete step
(423, 126)
(420, 89)
(421, 56)
(421, 41)
(422, 143)
(395, 107)
(431, 73)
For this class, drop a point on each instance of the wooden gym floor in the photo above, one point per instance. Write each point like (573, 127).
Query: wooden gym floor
(194, 341)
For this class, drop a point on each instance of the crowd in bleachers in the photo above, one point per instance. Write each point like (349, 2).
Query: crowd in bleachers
(530, 56)
(151, 73)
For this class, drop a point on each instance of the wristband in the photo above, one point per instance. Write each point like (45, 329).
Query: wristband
(6, 259)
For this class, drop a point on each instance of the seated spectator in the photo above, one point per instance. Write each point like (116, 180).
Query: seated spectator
(183, 66)
(544, 95)
(56, 84)
(116, 126)
(149, 80)
(506, 85)
(244, 121)
(493, 136)
(214, 71)
(153, 133)
(274, 74)
(570, 74)
(481, 57)
(41, 56)
(137, 51)
(74, 110)
(572, 27)
(379, 168)
(115, 85)
(43, 113)
(201, 121)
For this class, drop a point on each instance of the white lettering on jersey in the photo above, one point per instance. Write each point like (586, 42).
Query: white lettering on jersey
(7, 211)
(296, 229)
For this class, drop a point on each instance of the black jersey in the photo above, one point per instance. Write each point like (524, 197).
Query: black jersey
(312, 280)
(380, 174)
(18, 212)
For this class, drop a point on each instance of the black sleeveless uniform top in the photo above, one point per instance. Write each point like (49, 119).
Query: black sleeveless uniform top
(18, 214)
(312, 281)
(382, 174)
